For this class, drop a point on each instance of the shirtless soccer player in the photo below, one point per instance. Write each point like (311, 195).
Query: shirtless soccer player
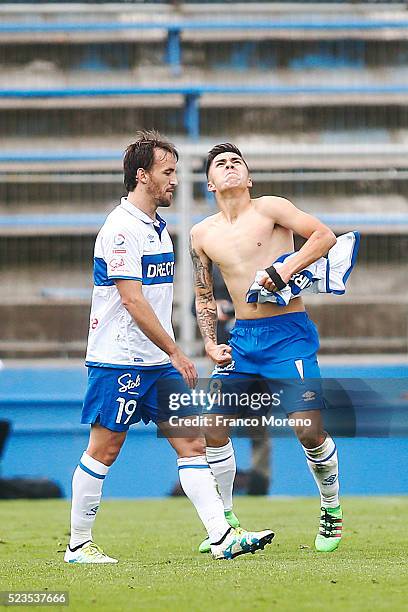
(268, 341)
(131, 351)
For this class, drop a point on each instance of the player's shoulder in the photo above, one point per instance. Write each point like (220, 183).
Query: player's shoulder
(118, 220)
(199, 230)
(118, 215)
(268, 203)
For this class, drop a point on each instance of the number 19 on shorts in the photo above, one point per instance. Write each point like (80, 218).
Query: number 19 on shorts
(125, 407)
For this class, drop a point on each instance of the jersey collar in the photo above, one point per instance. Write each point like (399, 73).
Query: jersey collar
(158, 225)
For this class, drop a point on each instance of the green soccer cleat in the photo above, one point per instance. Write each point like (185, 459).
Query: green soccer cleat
(232, 520)
(87, 553)
(331, 523)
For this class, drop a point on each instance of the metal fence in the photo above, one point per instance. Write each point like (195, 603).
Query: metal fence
(319, 109)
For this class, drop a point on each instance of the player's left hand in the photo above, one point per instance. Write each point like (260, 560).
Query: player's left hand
(220, 354)
(267, 283)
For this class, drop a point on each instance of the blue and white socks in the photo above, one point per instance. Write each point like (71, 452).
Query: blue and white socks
(198, 483)
(222, 463)
(87, 485)
(323, 464)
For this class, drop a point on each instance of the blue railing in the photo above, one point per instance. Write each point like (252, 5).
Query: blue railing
(192, 94)
(92, 221)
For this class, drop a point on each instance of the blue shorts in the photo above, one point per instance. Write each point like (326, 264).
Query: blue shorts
(280, 352)
(117, 398)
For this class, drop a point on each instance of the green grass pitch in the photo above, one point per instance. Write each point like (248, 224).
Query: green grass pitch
(160, 568)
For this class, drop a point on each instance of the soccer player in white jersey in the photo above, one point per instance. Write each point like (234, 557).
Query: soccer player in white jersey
(131, 349)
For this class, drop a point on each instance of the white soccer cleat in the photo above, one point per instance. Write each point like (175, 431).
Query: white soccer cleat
(88, 553)
(239, 542)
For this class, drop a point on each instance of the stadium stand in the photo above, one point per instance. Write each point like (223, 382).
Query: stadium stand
(315, 93)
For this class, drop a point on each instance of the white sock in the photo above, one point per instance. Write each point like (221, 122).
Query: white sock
(199, 485)
(86, 494)
(222, 463)
(323, 464)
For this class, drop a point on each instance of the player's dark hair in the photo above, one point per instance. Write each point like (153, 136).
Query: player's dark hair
(225, 147)
(140, 154)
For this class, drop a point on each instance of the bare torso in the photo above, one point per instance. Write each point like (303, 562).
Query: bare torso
(252, 242)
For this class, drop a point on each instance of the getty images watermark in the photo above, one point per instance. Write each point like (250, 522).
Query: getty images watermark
(217, 407)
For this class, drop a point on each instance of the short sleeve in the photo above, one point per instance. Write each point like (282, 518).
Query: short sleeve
(123, 253)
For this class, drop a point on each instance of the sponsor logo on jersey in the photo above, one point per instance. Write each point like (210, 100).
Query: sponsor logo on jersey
(119, 250)
(300, 281)
(165, 268)
(94, 323)
(126, 383)
(158, 269)
(119, 239)
(116, 262)
(151, 238)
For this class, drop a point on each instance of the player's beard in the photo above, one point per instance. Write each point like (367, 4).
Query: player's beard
(160, 199)
(163, 202)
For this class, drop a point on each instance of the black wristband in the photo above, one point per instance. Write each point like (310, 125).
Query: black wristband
(276, 277)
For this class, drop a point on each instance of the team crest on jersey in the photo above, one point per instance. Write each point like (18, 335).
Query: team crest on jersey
(127, 384)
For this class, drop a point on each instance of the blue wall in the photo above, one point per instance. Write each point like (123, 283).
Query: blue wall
(44, 406)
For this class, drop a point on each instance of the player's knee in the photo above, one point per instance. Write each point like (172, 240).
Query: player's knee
(192, 448)
(111, 453)
(107, 453)
(309, 437)
(107, 456)
(216, 441)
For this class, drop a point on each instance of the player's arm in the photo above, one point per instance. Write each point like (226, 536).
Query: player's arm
(141, 311)
(320, 238)
(206, 306)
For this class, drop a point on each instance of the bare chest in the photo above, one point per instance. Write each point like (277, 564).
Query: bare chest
(250, 244)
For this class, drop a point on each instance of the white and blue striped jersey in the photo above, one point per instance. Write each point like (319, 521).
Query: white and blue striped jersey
(130, 245)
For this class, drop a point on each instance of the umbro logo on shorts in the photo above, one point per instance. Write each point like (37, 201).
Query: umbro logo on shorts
(309, 396)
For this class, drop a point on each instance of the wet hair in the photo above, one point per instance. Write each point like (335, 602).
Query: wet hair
(225, 147)
(140, 154)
